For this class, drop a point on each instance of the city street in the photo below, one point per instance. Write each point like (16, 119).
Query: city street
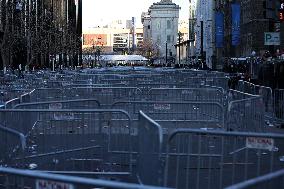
(149, 94)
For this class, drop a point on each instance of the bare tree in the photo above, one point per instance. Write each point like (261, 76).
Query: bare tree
(38, 30)
(149, 49)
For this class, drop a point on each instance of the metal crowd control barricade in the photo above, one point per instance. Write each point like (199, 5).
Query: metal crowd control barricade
(11, 103)
(245, 112)
(47, 94)
(25, 98)
(12, 143)
(208, 81)
(62, 104)
(177, 114)
(107, 95)
(150, 139)
(96, 85)
(17, 178)
(268, 181)
(215, 159)
(265, 92)
(279, 104)
(125, 81)
(80, 142)
(146, 87)
(11, 93)
(90, 77)
(187, 94)
(267, 97)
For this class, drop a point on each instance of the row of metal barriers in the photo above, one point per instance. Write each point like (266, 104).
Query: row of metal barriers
(202, 135)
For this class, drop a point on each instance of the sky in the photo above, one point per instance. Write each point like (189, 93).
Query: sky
(98, 12)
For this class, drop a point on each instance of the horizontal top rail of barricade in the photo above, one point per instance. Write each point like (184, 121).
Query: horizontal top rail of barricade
(225, 133)
(96, 85)
(90, 88)
(211, 81)
(21, 136)
(40, 94)
(67, 181)
(211, 94)
(265, 92)
(239, 95)
(11, 103)
(252, 88)
(278, 105)
(59, 104)
(107, 95)
(262, 180)
(3, 111)
(25, 98)
(8, 94)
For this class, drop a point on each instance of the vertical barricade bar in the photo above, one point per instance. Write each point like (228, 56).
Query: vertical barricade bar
(67, 139)
(245, 112)
(150, 138)
(279, 104)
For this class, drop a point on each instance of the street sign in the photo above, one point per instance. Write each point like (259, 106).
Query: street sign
(277, 26)
(260, 143)
(272, 38)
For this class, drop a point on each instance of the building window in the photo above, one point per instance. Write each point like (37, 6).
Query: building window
(169, 24)
(158, 39)
(158, 26)
(148, 27)
(168, 38)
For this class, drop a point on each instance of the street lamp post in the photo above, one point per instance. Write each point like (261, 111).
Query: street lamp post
(179, 39)
(98, 55)
(166, 54)
(253, 53)
(94, 52)
(201, 40)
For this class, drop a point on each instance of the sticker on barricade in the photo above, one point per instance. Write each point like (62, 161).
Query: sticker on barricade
(46, 184)
(162, 106)
(186, 92)
(260, 143)
(64, 116)
(60, 115)
(55, 106)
